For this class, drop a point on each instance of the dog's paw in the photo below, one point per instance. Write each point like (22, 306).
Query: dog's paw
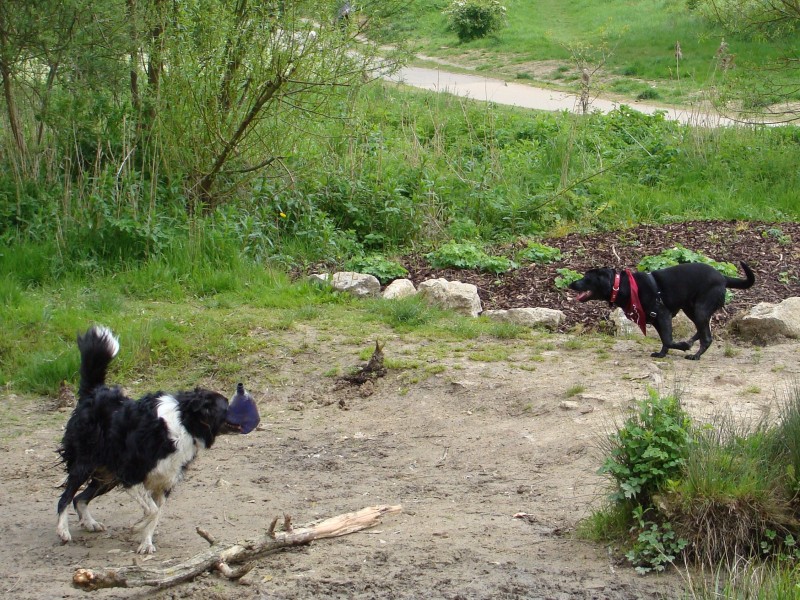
(658, 354)
(691, 357)
(62, 529)
(92, 525)
(146, 547)
(65, 536)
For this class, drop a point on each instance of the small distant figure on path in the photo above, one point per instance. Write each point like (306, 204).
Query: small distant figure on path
(343, 14)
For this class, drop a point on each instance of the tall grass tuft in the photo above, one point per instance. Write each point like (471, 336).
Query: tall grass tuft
(405, 314)
(785, 448)
(731, 492)
(744, 580)
(721, 494)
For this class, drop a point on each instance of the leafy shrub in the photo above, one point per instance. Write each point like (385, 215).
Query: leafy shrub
(565, 277)
(379, 266)
(648, 94)
(467, 256)
(473, 19)
(540, 253)
(656, 544)
(463, 228)
(649, 449)
(678, 255)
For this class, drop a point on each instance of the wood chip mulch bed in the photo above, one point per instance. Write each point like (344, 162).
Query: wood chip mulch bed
(771, 249)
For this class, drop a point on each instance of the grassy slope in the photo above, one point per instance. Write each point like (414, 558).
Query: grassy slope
(641, 35)
(497, 162)
(183, 337)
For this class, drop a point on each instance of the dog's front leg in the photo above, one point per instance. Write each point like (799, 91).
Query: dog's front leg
(149, 522)
(663, 325)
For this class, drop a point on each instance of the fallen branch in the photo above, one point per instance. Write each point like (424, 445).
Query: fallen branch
(220, 556)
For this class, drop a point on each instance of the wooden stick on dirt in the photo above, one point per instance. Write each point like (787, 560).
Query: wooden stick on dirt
(220, 555)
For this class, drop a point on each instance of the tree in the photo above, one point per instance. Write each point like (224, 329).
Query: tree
(203, 92)
(51, 51)
(774, 98)
(244, 80)
(772, 17)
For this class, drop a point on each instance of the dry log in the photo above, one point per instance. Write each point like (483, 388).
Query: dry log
(220, 556)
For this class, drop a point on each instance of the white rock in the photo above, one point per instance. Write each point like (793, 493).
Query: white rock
(358, 284)
(767, 322)
(623, 326)
(399, 288)
(454, 295)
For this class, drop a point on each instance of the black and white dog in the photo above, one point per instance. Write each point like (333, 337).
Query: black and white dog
(144, 446)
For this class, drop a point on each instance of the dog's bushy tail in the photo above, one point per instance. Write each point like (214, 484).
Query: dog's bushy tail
(98, 347)
(741, 284)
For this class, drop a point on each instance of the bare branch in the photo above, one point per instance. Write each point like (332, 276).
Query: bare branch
(220, 556)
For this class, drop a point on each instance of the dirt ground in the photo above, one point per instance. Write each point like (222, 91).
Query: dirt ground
(463, 450)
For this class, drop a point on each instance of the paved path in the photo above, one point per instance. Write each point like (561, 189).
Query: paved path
(478, 87)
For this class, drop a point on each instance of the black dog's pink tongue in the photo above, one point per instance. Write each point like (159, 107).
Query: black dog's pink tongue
(243, 411)
(583, 296)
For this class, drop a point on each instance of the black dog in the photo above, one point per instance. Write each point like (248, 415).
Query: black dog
(112, 440)
(695, 288)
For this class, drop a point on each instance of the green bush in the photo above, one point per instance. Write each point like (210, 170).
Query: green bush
(462, 229)
(656, 544)
(473, 19)
(377, 265)
(679, 255)
(565, 277)
(455, 255)
(648, 450)
(540, 253)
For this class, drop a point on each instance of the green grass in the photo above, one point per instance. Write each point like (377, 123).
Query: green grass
(201, 337)
(746, 580)
(575, 390)
(638, 35)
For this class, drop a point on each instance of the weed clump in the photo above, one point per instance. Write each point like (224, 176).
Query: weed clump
(719, 493)
(467, 256)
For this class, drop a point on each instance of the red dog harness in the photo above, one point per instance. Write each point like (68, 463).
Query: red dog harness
(634, 311)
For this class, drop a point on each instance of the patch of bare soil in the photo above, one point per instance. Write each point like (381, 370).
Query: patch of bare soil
(463, 450)
(464, 447)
